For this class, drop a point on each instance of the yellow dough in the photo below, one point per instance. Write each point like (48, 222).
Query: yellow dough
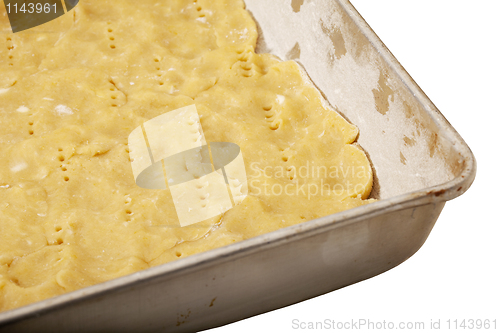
(71, 92)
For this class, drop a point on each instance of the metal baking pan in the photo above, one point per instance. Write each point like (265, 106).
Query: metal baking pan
(420, 162)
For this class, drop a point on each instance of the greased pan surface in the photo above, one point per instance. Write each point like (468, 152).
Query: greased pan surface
(360, 78)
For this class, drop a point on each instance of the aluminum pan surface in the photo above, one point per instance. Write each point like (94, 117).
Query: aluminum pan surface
(363, 83)
(452, 158)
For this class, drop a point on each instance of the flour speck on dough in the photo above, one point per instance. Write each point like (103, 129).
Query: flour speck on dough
(63, 110)
(19, 167)
(22, 109)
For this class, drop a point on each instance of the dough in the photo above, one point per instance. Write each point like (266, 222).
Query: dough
(72, 91)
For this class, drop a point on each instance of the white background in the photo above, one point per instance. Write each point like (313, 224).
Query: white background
(451, 49)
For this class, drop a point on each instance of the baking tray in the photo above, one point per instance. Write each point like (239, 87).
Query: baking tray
(419, 160)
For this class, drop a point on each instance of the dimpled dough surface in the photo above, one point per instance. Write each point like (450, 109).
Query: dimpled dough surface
(72, 90)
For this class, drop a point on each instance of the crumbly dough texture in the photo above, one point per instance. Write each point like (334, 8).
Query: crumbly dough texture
(71, 92)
